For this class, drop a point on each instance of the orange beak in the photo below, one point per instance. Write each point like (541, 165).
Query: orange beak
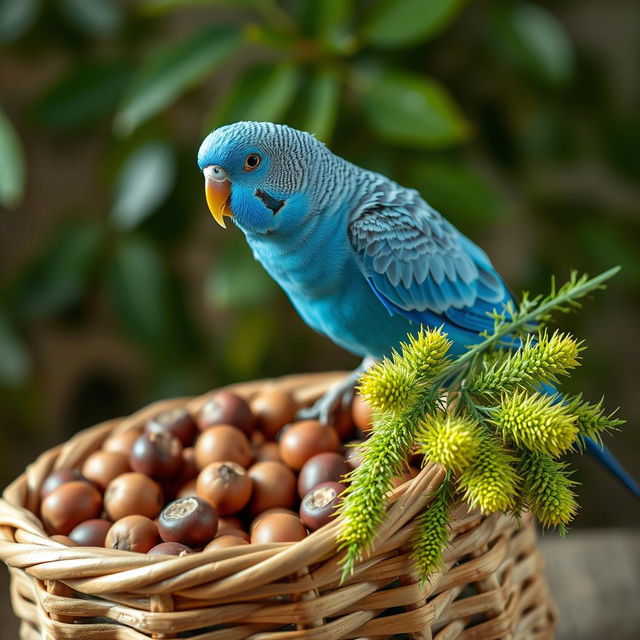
(217, 188)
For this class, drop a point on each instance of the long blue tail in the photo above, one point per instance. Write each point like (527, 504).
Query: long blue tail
(609, 462)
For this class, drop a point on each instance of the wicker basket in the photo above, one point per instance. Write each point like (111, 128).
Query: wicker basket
(493, 586)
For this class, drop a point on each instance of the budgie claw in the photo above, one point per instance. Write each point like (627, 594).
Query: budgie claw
(336, 398)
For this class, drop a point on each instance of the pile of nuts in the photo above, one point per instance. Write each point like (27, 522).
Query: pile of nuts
(234, 474)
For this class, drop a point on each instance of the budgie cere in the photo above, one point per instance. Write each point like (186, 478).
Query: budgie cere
(363, 259)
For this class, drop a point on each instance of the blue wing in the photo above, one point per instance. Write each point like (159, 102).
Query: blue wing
(419, 265)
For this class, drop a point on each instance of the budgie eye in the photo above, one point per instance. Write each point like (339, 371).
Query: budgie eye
(252, 162)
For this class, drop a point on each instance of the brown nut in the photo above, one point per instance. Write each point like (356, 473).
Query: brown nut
(189, 466)
(267, 512)
(224, 407)
(177, 422)
(170, 549)
(91, 533)
(225, 485)
(132, 533)
(239, 533)
(188, 489)
(273, 409)
(101, 467)
(133, 494)
(362, 414)
(228, 522)
(268, 451)
(323, 467)
(225, 541)
(191, 521)
(274, 485)
(65, 540)
(121, 442)
(222, 443)
(57, 478)
(278, 527)
(305, 439)
(320, 504)
(157, 454)
(69, 505)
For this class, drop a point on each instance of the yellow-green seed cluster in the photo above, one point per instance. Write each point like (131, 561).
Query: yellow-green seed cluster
(451, 441)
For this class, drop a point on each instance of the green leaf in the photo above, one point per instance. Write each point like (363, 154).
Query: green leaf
(14, 357)
(139, 285)
(263, 93)
(413, 111)
(12, 171)
(16, 18)
(402, 23)
(88, 92)
(60, 276)
(144, 182)
(533, 39)
(331, 21)
(97, 18)
(173, 69)
(317, 107)
(157, 7)
(458, 191)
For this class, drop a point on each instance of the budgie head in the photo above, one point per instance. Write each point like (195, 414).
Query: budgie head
(260, 173)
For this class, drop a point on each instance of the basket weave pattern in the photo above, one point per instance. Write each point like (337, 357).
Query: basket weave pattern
(493, 586)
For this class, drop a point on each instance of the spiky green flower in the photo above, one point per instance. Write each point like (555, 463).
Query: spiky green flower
(591, 419)
(490, 483)
(538, 360)
(547, 489)
(426, 353)
(432, 532)
(537, 422)
(451, 441)
(389, 386)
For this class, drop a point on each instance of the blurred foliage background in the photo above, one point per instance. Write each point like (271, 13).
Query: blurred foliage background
(517, 120)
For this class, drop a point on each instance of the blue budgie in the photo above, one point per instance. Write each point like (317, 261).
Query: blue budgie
(362, 259)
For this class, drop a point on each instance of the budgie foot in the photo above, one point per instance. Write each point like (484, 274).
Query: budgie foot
(336, 398)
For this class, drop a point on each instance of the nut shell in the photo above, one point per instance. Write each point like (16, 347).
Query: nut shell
(320, 504)
(274, 485)
(222, 443)
(361, 413)
(305, 439)
(69, 505)
(323, 467)
(157, 454)
(121, 442)
(132, 533)
(133, 493)
(91, 533)
(222, 542)
(57, 478)
(101, 467)
(225, 485)
(191, 521)
(224, 407)
(170, 549)
(273, 409)
(177, 422)
(278, 527)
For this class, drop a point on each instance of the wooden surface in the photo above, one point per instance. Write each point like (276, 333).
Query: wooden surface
(594, 576)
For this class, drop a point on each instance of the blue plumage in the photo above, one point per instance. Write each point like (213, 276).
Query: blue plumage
(363, 259)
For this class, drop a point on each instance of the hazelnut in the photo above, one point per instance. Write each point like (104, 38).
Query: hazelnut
(132, 533)
(222, 443)
(226, 541)
(157, 454)
(229, 522)
(273, 409)
(188, 489)
(268, 451)
(305, 439)
(267, 512)
(133, 494)
(274, 485)
(224, 407)
(177, 422)
(323, 467)
(57, 478)
(121, 442)
(225, 485)
(101, 467)
(320, 504)
(170, 549)
(278, 527)
(91, 533)
(69, 505)
(362, 414)
(191, 521)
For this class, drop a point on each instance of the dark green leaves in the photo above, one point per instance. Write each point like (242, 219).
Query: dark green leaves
(143, 183)
(97, 18)
(11, 164)
(88, 92)
(413, 111)
(16, 18)
(262, 93)
(172, 70)
(318, 104)
(401, 23)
